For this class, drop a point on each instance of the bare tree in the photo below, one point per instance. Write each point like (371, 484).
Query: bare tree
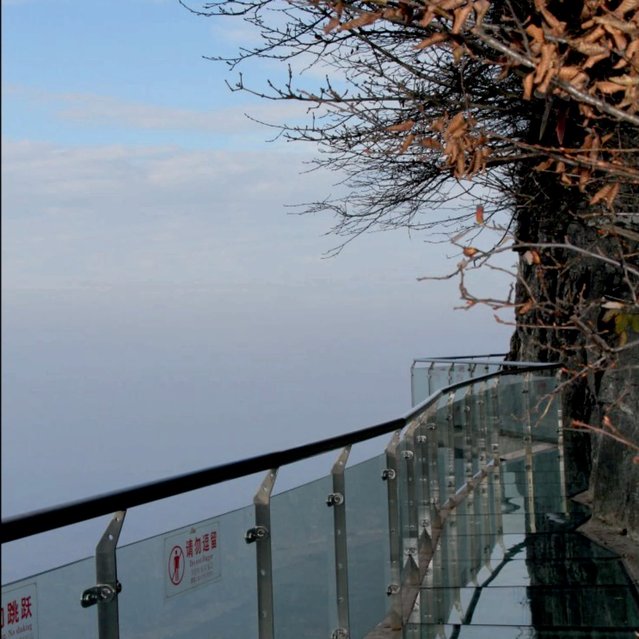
(508, 125)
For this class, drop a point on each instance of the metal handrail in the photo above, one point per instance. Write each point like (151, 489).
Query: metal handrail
(25, 525)
(449, 358)
(477, 360)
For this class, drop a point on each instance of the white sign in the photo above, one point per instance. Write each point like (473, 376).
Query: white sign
(19, 612)
(191, 557)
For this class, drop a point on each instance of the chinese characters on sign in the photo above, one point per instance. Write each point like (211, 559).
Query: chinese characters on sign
(191, 557)
(18, 614)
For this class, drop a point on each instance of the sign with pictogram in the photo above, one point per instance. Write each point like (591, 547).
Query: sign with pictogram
(18, 616)
(191, 557)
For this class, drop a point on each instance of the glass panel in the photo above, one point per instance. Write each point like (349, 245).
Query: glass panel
(544, 408)
(47, 606)
(420, 389)
(458, 373)
(511, 411)
(304, 590)
(438, 377)
(196, 581)
(368, 545)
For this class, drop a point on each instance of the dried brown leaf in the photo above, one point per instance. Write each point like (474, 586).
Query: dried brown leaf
(362, 21)
(528, 84)
(436, 38)
(525, 308)
(410, 138)
(332, 24)
(461, 15)
(401, 127)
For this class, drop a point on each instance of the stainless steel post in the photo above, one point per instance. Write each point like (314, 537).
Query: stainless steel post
(105, 593)
(261, 536)
(390, 476)
(337, 500)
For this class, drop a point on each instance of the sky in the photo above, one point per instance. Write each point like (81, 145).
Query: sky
(164, 308)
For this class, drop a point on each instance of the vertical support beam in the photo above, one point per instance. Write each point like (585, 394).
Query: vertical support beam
(418, 434)
(105, 593)
(483, 424)
(425, 441)
(471, 456)
(390, 476)
(261, 535)
(449, 444)
(432, 452)
(431, 390)
(410, 537)
(528, 446)
(560, 447)
(494, 435)
(337, 500)
(471, 466)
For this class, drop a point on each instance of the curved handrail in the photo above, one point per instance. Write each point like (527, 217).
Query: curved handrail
(27, 524)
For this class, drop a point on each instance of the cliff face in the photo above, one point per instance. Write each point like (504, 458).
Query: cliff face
(570, 324)
(584, 314)
(615, 472)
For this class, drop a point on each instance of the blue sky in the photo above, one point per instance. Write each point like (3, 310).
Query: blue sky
(163, 309)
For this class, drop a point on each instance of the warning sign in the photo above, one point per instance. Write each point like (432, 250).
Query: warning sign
(19, 613)
(191, 557)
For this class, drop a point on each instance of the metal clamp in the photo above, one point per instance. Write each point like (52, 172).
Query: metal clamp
(392, 589)
(408, 454)
(335, 499)
(340, 633)
(102, 593)
(253, 534)
(388, 473)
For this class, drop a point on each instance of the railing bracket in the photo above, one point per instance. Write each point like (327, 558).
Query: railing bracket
(388, 473)
(102, 593)
(335, 499)
(253, 534)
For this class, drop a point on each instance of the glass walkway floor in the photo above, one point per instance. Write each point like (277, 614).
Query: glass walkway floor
(522, 570)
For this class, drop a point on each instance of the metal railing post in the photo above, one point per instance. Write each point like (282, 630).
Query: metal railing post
(337, 500)
(430, 378)
(410, 537)
(389, 475)
(528, 446)
(494, 432)
(561, 452)
(105, 592)
(261, 535)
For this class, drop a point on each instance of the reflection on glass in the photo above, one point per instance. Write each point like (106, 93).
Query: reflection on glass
(493, 575)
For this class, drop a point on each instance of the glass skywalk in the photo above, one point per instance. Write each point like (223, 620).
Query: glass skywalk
(462, 527)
